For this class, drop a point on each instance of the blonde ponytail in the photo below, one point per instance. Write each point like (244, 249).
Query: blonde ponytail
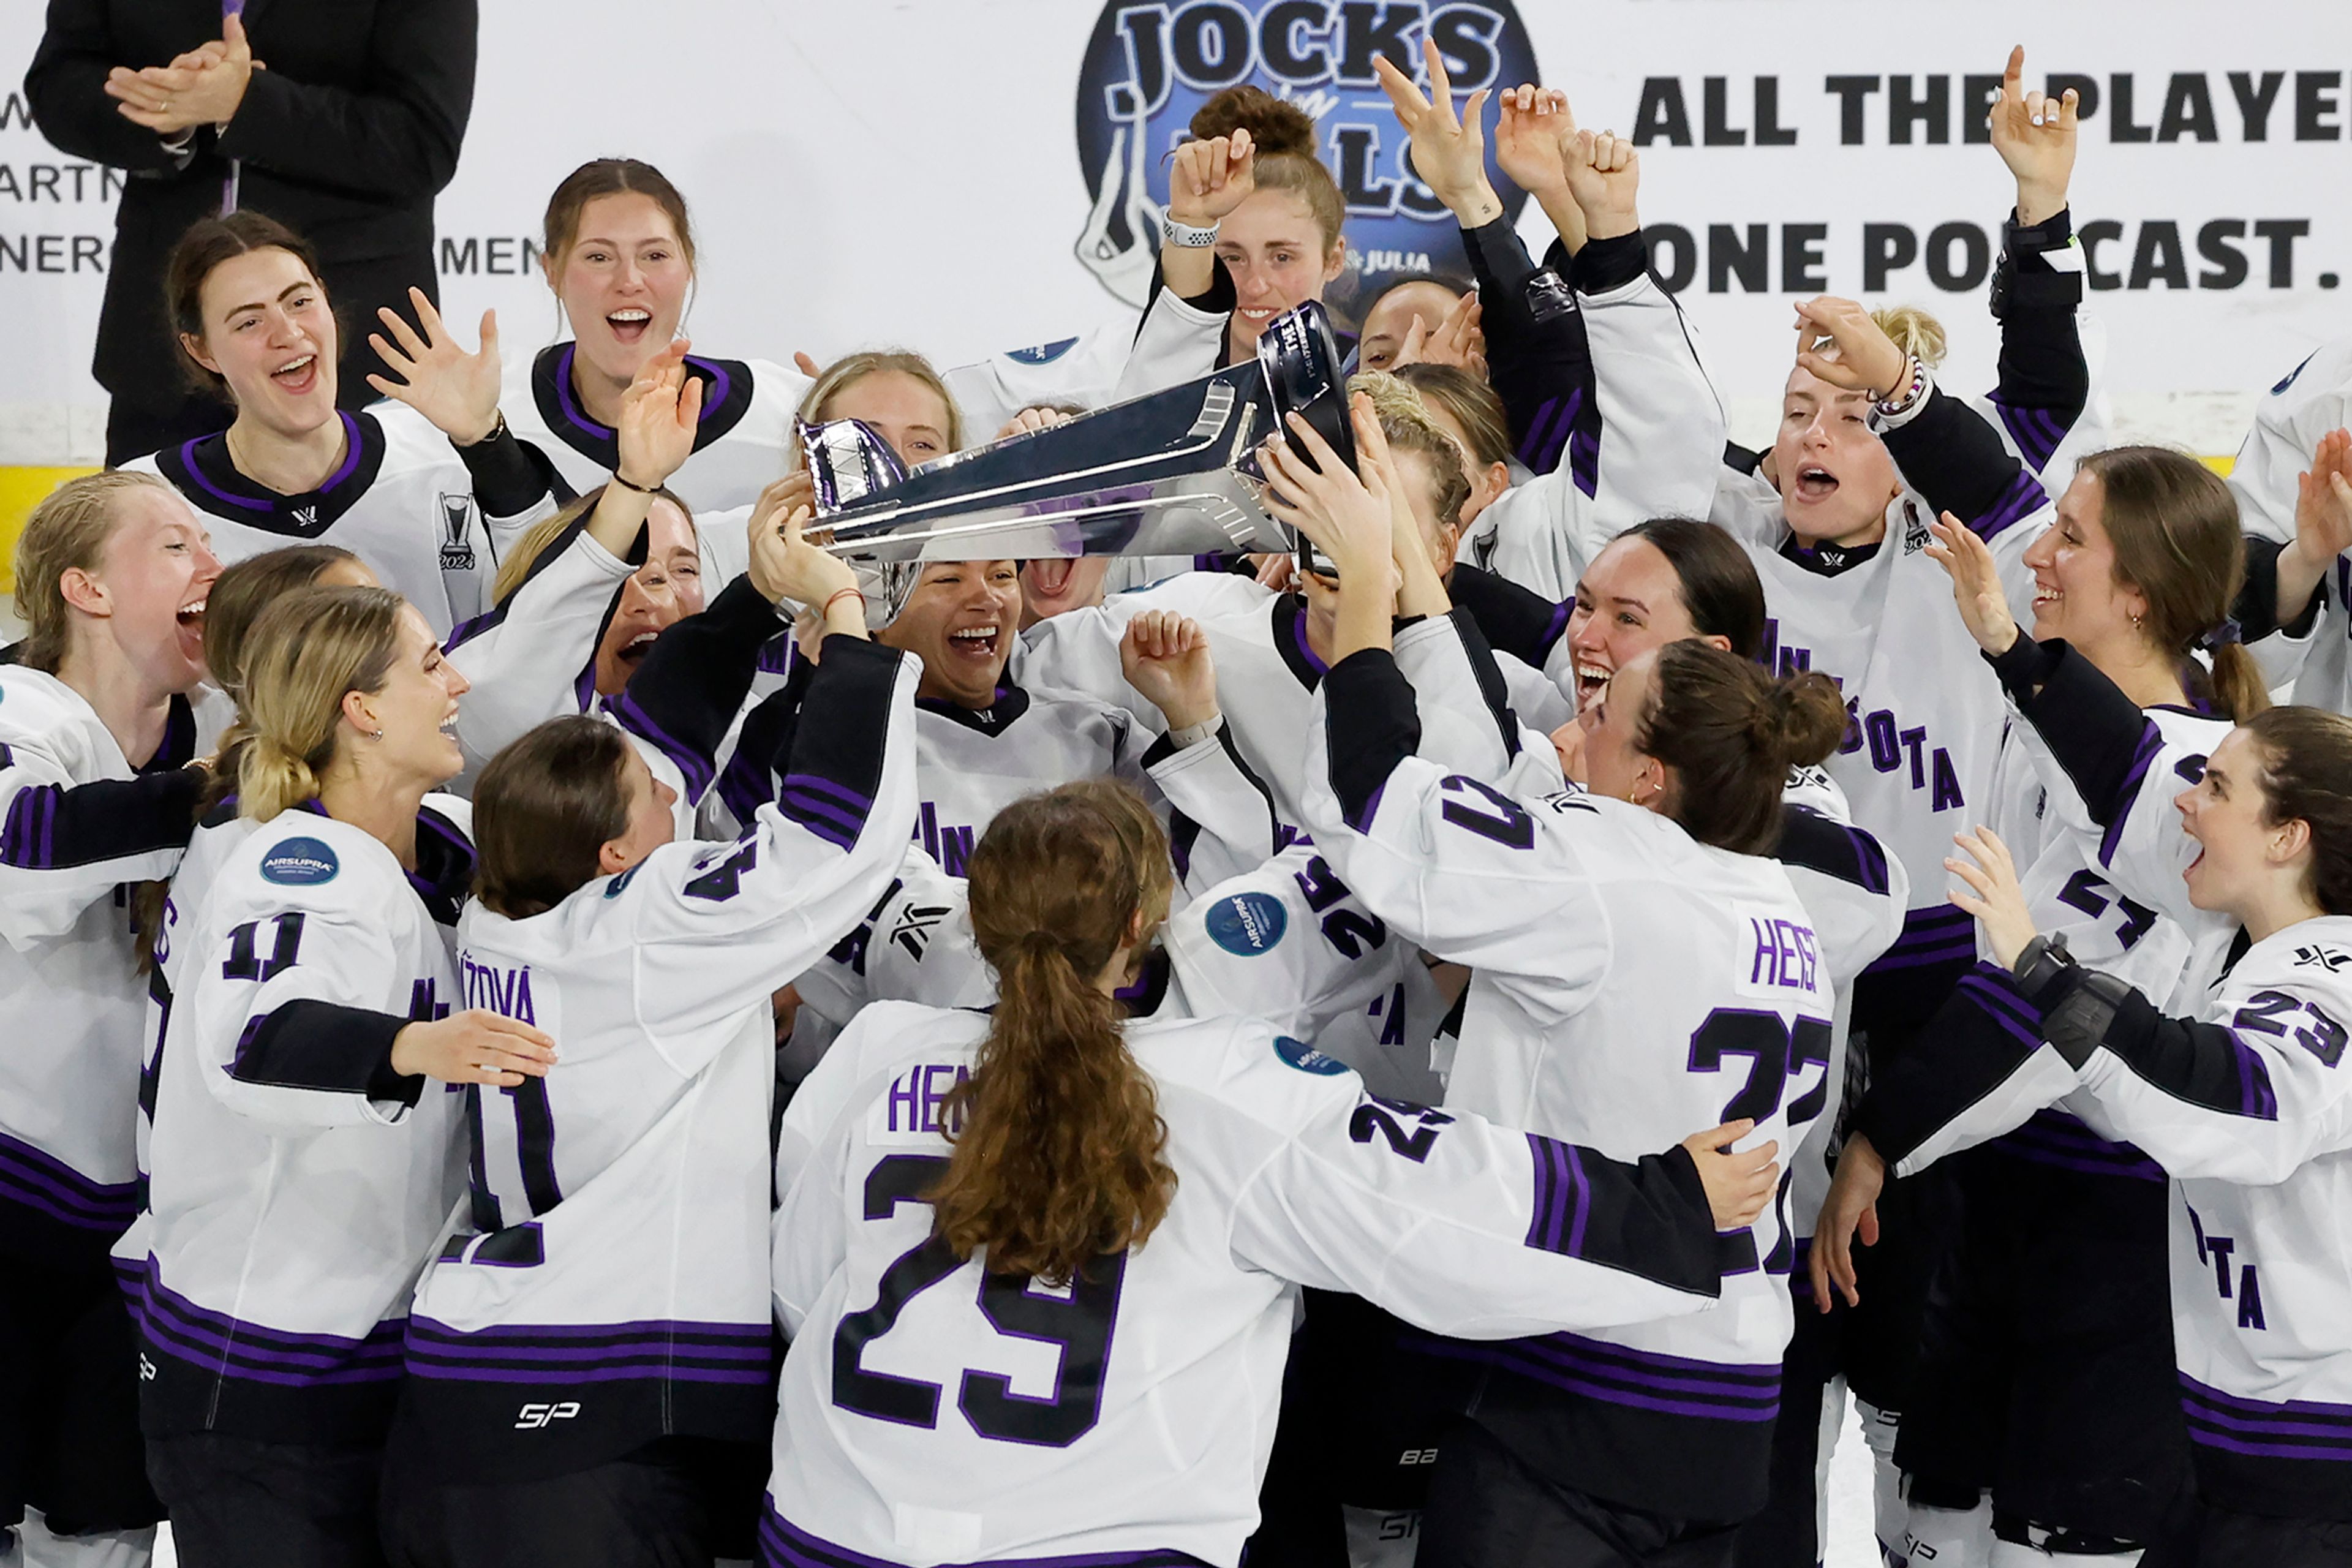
(303, 655)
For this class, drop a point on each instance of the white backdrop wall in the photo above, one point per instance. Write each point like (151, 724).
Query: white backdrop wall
(909, 173)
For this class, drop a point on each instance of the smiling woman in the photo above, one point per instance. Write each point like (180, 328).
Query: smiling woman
(425, 503)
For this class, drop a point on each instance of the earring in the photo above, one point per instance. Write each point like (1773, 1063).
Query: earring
(375, 734)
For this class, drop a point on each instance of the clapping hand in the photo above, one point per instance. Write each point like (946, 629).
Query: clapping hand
(661, 413)
(203, 87)
(1994, 895)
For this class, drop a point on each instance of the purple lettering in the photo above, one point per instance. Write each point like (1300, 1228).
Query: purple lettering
(904, 1091)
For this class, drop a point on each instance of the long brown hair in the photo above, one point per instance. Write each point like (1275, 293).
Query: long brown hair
(1059, 1159)
(2307, 775)
(1731, 733)
(2174, 527)
(208, 242)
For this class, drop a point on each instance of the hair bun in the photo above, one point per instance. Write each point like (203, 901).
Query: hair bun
(1805, 714)
(1276, 125)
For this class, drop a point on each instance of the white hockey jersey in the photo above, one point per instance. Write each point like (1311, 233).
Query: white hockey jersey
(78, 825)
(1267, 672)
(2246, 1104)
(402, 503)
(933, 1413)
(297, 1183)
(1662, 432)
(1173, 343)
(2315, 398)
(1924, 712)
(1285, 942)
(1628, 986)
(616, 1264)
(744, 444)
(974, 763)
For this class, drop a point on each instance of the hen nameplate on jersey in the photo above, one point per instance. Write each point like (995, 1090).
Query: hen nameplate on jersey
(1170, 473)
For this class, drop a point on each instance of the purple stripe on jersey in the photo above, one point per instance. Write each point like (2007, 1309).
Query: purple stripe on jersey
(841, 794)
(37, 1179)
(2256, 1099)
(1584, 460)
(1558, 623)
(1362, 821)
(1603, 1383)
(1563, 1200)
(1801, 1273)
(188, 461)
(1306, 649)
(2052, 1138)
(715, 1339)
(2151, 743)
(2022, 500)
(784, 1545)
(650, 1367)
(697, 768)
(350, 454)
(1993, 987)
(2036, 431)
(563, 397)
(819, 817)
(383, 1338)
(2306, 1417)
(2001, 1009)
(26, 836)
(721, 384)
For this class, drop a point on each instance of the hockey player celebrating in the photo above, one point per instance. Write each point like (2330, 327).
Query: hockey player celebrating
(614, 1279)
(427, 507)
(112, 574)
(2241, 1099)
(301, 1170)
(1039, 1266)
(1584, 915)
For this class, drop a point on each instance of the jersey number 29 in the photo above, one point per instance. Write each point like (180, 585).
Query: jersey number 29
(1078, 1323)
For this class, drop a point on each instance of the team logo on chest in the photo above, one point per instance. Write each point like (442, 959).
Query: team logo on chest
(306, 516)
(457, 533)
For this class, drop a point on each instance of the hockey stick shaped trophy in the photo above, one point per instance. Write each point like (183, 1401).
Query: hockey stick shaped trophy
(1170, 473)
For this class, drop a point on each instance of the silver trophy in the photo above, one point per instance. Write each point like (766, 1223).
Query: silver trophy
(1172, 473)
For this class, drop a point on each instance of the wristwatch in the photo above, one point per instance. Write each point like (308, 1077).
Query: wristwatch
(1185, 236)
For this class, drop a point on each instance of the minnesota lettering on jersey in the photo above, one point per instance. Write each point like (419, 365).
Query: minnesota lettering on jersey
(1891, 746)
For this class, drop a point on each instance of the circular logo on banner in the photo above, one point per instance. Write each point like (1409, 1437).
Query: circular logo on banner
(1247, 923)
(1307, 1058)
(299, 863)
(1148, 68)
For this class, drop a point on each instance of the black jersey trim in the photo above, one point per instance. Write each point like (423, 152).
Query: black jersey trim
(727, 387)
(203, 471)
(998, 716)
(1289, 621)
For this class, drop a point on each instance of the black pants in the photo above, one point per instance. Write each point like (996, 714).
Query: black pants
(2047, 1373)
(672, 1504)
(2227, 1539)
(70, 1442)
(1360, 1424)
(1784, 1533)
(238, 1501)
(1487, 1509)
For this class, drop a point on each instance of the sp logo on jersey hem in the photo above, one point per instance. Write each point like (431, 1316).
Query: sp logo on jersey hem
(1307, 1058)
(299, 863)
(1148, 68)
(1247, 924)
(1044, 353)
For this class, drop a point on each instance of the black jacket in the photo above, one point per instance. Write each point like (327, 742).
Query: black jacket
(345, 138)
